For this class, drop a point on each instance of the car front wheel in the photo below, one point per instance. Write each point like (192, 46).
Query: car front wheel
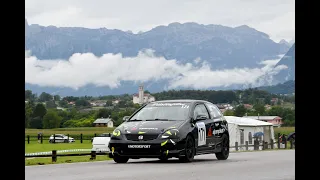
(189, 150)
(120, 159)
(224, 154)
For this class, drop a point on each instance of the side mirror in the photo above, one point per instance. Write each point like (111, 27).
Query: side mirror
(125, 118)
(201, 117)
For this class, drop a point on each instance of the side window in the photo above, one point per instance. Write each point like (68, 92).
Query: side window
(200, 109)
(214, 111)
(241, 137)
(250, 137)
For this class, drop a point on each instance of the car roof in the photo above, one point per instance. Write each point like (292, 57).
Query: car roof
(181, 100)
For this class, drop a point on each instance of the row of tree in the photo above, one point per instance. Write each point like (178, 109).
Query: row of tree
(38, 116)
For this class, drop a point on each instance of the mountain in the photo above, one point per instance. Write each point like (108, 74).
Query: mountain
(287, 73)
(283, 88)
(222, 46)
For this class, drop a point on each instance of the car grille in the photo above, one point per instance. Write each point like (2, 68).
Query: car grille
(146, 137)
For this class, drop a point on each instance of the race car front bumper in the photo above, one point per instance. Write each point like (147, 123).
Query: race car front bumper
(146, 149)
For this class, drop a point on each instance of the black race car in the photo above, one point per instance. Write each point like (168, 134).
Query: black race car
(171, 128)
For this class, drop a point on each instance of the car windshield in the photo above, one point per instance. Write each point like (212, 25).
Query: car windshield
(162, 112)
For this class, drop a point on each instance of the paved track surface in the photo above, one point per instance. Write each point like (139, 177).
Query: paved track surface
(266, 165)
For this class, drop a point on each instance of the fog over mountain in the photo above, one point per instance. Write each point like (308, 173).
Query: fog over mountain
(82, 61)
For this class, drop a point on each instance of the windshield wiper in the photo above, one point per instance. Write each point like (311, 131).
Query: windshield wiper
(135, 120)
(157, 119)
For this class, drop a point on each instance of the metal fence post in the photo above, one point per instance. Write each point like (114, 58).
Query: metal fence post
(266, 145)
(271, 141)
(28, 139)
(263, 147)
(237, 147)
(54, 138)
(54, 155)
(93, 154)
(285, 143)
(256, 145)
(41, 139)
(81, 138)
(247, 145)
(279, 141)
(68, 138)
(291, 144)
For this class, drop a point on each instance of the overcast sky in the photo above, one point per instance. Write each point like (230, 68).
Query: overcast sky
(274, 17)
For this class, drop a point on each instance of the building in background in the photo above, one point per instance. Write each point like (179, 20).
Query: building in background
(103, 122)
(142, 97)
(275, 120)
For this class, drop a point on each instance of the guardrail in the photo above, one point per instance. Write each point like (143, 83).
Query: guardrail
(55, 153)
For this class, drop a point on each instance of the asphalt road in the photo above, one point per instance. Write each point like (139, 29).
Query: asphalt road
(266, 165)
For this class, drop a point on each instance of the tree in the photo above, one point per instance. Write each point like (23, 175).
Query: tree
(45, 97)
(259, 108)
(28, 114)
(103, 113)
(27, 94)
(82, 103)
(51, 104)
(51, 120)
(109, 103)
(56, 97)
(240, 111)
(35, 123)
(39, 111)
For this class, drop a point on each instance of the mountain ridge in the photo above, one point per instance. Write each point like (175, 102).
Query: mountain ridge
(222, 47)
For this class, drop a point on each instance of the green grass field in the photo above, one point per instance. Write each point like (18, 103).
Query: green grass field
(34, 146)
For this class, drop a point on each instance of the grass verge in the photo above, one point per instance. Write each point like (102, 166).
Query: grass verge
(64, 159)
(34, 146)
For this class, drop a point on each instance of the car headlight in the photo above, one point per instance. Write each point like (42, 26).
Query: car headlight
(171, 135)
(116, 134)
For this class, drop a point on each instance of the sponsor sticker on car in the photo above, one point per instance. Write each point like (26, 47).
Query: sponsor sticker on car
(139, 146)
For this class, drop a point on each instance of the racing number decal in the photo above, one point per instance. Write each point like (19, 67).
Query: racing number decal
(201, 133)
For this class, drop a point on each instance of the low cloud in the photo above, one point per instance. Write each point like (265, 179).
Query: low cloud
(111, 69)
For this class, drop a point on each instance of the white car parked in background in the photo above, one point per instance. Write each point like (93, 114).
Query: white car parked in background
(100, 144)
(61, 138)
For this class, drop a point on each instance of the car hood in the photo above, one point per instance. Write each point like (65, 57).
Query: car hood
(149, 127)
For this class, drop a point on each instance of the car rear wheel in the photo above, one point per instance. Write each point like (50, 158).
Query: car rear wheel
(189, 150)
(120, 159)
(66, 140)
(224, 154)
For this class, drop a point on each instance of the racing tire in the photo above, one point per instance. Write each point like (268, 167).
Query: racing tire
(66, 141)
(189, 150)
(224, 154)
(163, 159)
(50, 141)
(120, 159)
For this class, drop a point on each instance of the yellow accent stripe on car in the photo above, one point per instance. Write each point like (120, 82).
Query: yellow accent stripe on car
(168, 132)
(140, 132)
(167, 152)
(164, 143)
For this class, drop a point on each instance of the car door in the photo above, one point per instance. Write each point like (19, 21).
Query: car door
(202, 126)
(217, 122)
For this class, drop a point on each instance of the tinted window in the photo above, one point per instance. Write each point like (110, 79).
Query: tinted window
(200, 110)
(214, 111)
(241, 137)
(170, 111)
(250, 138)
